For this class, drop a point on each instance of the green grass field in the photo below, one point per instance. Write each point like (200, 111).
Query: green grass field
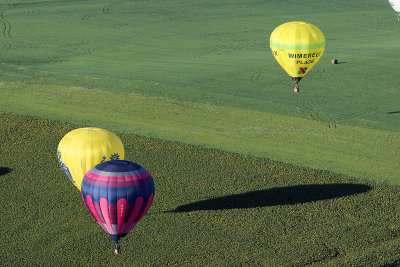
(200, 72)
(210, 208)
(247, 172)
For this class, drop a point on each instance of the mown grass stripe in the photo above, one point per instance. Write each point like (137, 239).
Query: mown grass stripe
(356, 151)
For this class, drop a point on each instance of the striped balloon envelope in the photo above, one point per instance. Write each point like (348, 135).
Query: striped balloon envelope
(118, 194)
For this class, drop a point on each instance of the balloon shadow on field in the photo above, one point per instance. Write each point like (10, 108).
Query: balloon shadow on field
(4, 170)
(276, 196)
(394, 112)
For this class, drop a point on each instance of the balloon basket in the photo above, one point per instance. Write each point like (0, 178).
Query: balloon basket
(117, 249)
(296, 81)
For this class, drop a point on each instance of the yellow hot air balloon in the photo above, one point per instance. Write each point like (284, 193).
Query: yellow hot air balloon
(83, 148)
(297, 46)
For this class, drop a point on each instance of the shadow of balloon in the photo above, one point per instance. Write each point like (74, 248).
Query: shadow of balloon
(394, 112)
(4, 170)
(276, 196)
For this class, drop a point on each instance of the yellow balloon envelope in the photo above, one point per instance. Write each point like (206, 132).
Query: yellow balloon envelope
(297, 46)
(83, 148)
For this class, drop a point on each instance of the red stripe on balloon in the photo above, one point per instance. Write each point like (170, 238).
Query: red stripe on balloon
(133, 215)
(106, 214)
(113, 213)
(118, 184)
(86, 205)
(149, 201)
(99, 213)
(92, 210)
(117, 179)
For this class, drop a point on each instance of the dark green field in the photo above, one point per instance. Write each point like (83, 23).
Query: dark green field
(211, 208)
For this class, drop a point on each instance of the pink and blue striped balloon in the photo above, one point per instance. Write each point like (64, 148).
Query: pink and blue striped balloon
(118, 194)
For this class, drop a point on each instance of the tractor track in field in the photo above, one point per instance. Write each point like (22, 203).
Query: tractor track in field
(89, 17)
(315, 112)
(104, 11)
(256, 75)
(91, 50)
(324, 4)
(6, 33)
(6, 46)
(344, 117)
(6, 27)
(31, 12)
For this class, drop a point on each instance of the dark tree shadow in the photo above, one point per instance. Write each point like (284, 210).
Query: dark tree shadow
(394, 112)
(276, 196)
(4, 170)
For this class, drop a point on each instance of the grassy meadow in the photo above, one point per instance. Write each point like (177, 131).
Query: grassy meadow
(246, 171)
(211, 208)
(200, 72)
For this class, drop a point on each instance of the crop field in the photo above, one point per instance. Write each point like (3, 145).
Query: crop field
(211, 208)
(246, 171)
